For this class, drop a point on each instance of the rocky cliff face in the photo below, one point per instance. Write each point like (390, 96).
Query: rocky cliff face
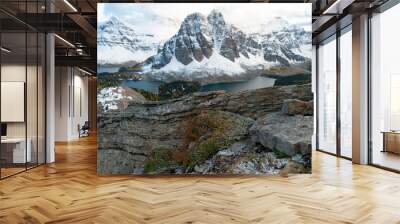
(213, 132)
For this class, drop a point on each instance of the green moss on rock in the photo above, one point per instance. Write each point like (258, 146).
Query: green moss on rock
(159, 160)
(212, 131)
(207, 148)
(280, 154)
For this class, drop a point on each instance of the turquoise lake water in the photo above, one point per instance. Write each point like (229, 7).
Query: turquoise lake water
(152, 86)
(256, 83)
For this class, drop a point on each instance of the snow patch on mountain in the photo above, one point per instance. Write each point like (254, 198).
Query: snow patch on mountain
(119, 54)
(254, 61)
(108, 97)
(305, 50)
(215, 65)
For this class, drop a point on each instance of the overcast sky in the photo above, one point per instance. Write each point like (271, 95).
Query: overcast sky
(242, 15)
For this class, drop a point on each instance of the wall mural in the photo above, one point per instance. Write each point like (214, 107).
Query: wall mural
(210, 88)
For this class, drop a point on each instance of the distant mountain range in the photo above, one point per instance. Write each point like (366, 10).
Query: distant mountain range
(205, 47)
(118, 43)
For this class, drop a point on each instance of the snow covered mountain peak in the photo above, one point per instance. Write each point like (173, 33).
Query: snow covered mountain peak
(196, 16)
(276, 24)
(192, 24)
(119, 43)
(113, 25)
(115, 21)
(216, 18)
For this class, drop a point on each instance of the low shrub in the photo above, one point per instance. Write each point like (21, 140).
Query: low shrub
(207, 149)
(280, 154)
(148, 95)
(207, 132)
(158, 160)
(107, 81)
(177, 89)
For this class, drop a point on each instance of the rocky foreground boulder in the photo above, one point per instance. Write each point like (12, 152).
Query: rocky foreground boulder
(295, 106)
(208, 133)
(286, 134)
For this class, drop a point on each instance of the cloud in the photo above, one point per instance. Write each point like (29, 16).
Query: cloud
(102, 14)
(243, 15)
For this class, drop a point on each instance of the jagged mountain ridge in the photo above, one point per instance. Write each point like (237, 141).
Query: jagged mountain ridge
(202, 40)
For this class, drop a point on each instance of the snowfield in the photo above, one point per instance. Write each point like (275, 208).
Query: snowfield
(254, 61)
(214, 65)
(109, 97)
(119, 55)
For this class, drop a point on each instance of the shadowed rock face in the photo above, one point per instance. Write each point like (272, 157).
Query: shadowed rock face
(229, 49)
(127, 136)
